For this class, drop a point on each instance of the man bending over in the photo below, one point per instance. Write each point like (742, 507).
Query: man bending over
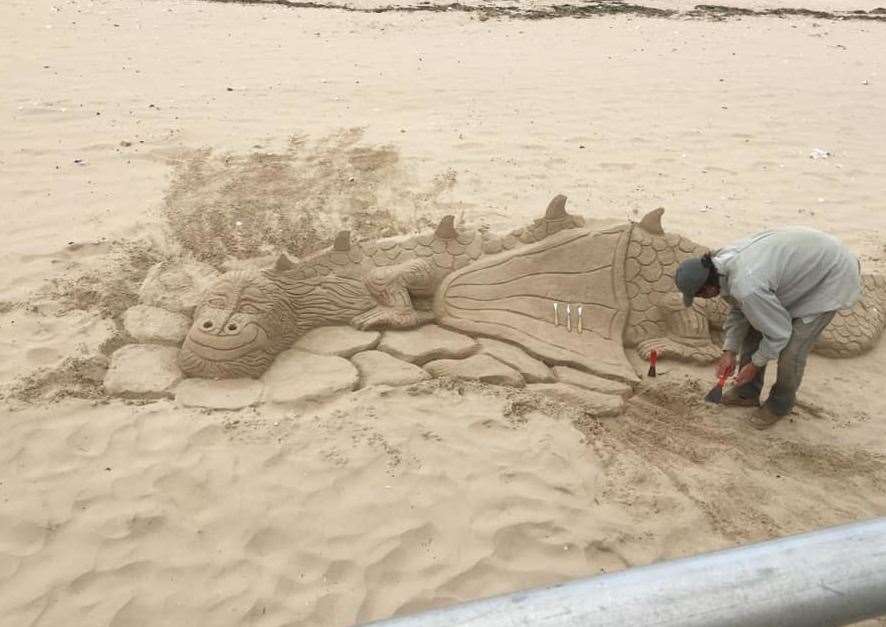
(784, 287)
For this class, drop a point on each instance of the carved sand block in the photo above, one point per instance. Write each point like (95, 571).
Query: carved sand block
(298, 378)
(427, 343)
(143, 370)
(223, 394)
(153, 325)
(379, 368)
(341, 341)
(477, 368)
(532, 370)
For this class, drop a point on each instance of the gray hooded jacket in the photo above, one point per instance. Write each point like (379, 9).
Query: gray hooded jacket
(777, 276)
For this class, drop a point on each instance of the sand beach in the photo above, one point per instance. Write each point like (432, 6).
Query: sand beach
(138, 133)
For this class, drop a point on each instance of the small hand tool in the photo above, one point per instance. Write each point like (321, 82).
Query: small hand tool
(716, 393)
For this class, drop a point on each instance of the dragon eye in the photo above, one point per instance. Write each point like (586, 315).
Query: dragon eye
(217, 301)
(249, 309)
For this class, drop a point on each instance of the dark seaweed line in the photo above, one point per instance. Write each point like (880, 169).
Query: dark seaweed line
(589, 9)
(717, 11)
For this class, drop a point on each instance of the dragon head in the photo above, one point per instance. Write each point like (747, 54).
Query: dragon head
(240, 325)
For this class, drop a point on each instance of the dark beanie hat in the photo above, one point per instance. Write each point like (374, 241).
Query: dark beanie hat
(690, 277)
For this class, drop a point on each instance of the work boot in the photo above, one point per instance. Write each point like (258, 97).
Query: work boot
(764, 417)
(732, 398)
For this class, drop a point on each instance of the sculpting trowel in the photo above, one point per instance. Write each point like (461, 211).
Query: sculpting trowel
(716, 393)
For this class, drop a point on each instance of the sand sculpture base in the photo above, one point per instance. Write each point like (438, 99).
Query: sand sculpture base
(330, 361)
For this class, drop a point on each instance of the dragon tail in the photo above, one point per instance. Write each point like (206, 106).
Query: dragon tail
(855, 331)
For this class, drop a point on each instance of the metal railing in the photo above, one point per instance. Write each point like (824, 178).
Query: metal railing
(834, 576)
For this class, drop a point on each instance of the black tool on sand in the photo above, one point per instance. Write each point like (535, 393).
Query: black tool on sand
(716, 393)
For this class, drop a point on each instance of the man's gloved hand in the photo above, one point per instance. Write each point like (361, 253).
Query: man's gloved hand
(725, 365)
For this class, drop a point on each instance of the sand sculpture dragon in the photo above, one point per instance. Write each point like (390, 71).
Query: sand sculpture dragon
(566, 293)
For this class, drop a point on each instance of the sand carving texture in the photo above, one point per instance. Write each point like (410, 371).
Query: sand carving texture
(854, 331)
(554, 305)
(566, 294)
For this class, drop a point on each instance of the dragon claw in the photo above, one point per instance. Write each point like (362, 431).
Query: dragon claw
(669, 348)
(386, 317)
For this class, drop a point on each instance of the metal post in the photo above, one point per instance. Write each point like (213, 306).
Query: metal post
(832, 576)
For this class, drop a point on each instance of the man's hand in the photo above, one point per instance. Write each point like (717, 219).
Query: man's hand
(746, 374)
(726, 364)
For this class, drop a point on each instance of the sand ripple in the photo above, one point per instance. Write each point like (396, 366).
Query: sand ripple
(383, 502)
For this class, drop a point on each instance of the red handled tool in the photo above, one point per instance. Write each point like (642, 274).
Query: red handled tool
(653, 359)
(716, 393)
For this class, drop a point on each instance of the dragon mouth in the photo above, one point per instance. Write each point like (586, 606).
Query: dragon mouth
(225, 348)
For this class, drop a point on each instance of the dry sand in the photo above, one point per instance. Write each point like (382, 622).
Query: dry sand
(126, 123)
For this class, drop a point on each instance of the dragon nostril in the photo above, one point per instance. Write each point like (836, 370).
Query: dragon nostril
(232, 327)
(207, 324)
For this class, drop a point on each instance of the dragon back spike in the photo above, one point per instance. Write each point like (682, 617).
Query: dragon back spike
(556, 208)
(283, 263)
(342, 241)
(446, 228)
(651, 222)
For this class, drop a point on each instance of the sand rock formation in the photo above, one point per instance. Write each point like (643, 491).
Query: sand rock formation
(341, 341)
(298, 377)
(146, 370)
(427, 343)
(152, 325)
(379, 368)
(476, 368)
(219, 394)
(532, 370)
